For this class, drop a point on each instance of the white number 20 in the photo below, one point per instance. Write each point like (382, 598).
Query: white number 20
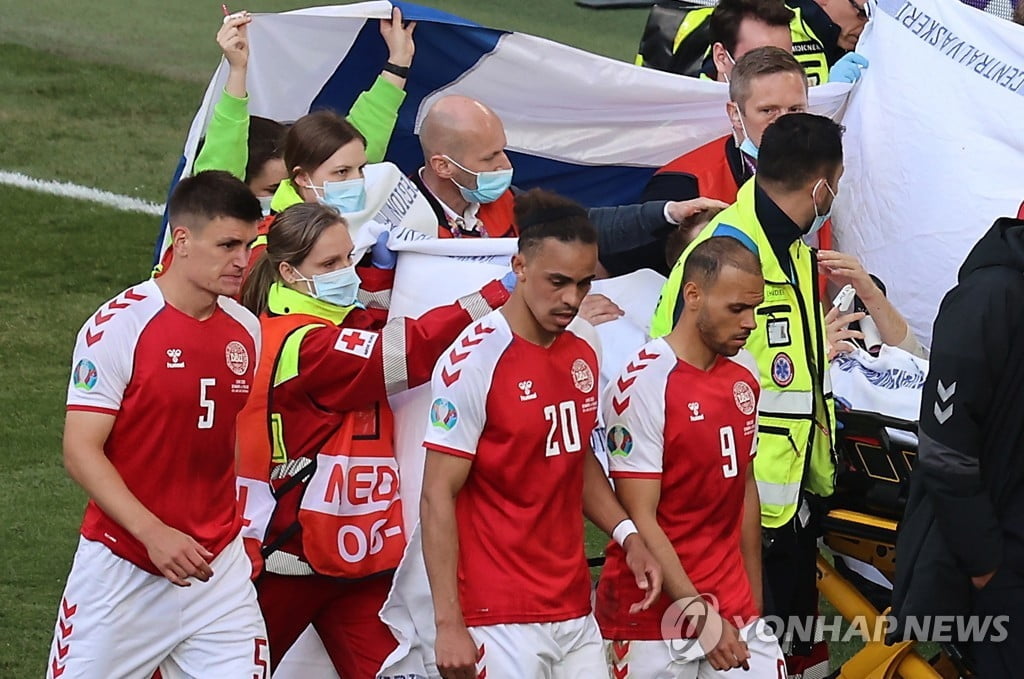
(206, 419)
(565, 414)
(725, 435)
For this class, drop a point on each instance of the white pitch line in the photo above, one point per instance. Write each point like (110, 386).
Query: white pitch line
(69, 190)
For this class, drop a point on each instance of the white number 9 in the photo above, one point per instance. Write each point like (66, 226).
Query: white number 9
(730, 468)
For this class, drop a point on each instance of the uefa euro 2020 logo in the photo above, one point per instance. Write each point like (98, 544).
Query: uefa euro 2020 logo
(443, 414)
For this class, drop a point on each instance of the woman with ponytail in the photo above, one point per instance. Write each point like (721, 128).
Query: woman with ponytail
(318, 480)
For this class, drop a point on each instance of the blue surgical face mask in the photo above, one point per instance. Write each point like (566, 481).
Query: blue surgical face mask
(345, 196)
(819, 220)
(265, 204)
(339, 287)
(746, 146)
(489, 185)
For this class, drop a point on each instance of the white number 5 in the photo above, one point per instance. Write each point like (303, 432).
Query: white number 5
(729, 469)
(206, 419)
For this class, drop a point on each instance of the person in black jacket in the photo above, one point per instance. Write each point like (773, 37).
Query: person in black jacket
(961, 545)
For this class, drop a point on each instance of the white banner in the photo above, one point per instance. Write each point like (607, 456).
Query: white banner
(393, 203)
(934, 146)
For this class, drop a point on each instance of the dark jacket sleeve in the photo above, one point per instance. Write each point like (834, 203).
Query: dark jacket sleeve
(970, 342)
(626, 227)
(671, 186)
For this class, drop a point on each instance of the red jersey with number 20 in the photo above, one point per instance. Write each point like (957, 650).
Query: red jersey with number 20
(696, 432)
(174, 385)
(523, 414)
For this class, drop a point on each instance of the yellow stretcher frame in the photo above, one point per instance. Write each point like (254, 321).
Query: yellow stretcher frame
(876, 660)
(871, 539)
(865, 529)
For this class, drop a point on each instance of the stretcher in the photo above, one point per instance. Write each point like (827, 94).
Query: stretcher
(875, 456)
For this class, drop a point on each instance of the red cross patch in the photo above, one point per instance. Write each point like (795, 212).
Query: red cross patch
(357, 342)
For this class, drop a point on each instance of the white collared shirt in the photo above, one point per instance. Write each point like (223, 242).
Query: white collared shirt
(467, 221)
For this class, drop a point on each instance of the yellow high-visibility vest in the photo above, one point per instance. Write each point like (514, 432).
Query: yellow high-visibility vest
(796, 415)
(808, 49)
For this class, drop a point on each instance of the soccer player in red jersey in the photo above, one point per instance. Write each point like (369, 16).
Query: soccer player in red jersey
(682, 432)
(510, 471)
(160, 578)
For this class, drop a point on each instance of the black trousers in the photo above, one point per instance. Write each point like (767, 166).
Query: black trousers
(790, 575)
(999, 656)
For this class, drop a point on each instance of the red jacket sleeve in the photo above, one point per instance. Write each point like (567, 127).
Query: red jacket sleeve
(344, 368)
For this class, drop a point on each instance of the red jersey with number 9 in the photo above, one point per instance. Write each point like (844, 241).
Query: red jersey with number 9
(174, 385)
(695, 431)
(523, 414)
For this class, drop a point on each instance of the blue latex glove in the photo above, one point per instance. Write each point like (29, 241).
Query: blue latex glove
(509, 280)
(381, 256)
(848, 69)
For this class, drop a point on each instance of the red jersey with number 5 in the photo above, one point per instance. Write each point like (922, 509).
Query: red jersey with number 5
(174, 385)
(695, 431)
(523, 414)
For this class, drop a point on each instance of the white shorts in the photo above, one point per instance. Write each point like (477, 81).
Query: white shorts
(118, 621)
(571, 649)
(673, 660)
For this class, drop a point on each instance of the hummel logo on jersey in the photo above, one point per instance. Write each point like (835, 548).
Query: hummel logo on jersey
(527, 395)
(643, 359)
(695, 414)
(174, 359)
(113, 306)
(943, 408)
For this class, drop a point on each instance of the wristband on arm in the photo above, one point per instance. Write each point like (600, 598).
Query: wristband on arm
(623, 530)
(395, 69)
